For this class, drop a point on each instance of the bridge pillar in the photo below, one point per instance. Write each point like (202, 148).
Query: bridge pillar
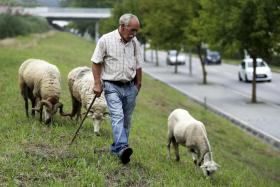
(96, 31)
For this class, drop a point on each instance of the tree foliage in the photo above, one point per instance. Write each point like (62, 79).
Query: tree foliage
(125, 6)
(229, 26)
(251, 25)
(164, 22)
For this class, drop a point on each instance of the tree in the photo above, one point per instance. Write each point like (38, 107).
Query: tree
(164, 23)
(194, 34)
(251, 25)
(172, 25)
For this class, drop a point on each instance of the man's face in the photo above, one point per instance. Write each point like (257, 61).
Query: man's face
(128, 32)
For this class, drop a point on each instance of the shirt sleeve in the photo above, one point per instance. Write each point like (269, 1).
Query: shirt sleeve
(139, 55)
(99, 52)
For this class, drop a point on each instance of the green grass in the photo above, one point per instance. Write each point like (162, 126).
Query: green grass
(33, 154)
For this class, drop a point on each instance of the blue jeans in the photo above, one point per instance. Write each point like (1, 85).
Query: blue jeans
(121, 100)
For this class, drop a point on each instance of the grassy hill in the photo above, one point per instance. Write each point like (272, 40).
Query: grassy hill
(33, 154)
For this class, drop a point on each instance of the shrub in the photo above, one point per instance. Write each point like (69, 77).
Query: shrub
(14, 25)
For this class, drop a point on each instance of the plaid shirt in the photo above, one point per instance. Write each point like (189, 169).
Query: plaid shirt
(119, 60)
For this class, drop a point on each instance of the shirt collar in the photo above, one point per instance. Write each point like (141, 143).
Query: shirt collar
(119, 37)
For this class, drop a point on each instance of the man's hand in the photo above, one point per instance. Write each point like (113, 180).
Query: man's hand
(97, 89)
(138, 86)
(138, 78)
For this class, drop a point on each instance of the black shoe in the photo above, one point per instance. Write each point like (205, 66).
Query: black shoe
(126, 153)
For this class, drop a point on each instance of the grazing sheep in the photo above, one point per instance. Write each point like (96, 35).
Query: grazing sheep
(185, 130)
(39, 81)
(80, 82)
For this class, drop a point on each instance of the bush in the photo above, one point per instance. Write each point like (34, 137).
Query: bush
(14, 25)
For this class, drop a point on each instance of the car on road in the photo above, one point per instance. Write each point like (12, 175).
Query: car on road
(175, 59)
(212, 57)
(245, 71)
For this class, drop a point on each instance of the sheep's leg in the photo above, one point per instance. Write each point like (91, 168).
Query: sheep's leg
(168, 147)
(75, 107)
(200, 159)
(33, 103)
(32, 99)
(195, 153)
(78, 117)
(26, 107)
(194, 157)
(41, 113)
(24, 93)
(176, 148)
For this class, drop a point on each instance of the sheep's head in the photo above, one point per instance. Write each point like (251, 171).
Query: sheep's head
(51, 106)
(209, 167)
(97, 115)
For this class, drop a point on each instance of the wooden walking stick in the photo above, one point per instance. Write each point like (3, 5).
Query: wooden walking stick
(81, 124)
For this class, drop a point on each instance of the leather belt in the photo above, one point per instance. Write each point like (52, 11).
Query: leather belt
(119, 83)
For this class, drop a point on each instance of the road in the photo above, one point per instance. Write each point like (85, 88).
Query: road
(225, 95)
(226, 75)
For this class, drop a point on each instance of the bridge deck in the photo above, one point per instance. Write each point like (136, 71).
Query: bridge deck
(69, 13)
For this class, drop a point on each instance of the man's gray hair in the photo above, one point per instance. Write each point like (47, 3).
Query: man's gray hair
(125, 19)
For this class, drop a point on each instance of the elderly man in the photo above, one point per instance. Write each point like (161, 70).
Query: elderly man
(116, 69)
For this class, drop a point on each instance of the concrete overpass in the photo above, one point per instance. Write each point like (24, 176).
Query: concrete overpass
(70, 14)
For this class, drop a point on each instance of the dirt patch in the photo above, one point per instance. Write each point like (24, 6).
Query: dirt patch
(21, 179)
(45, 151)
(269, 152)
(3, 180)
(14, 42)
(8, 42)
(123, 176)
(44, 35)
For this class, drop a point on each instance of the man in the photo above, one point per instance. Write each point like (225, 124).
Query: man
(116, 69)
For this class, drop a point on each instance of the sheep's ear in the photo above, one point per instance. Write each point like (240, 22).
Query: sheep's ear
(90, 114)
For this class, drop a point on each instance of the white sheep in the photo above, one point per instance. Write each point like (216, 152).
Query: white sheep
(185, 130)
(80, 82)
(39, 81)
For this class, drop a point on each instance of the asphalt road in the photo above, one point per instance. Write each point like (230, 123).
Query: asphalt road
(226, 95)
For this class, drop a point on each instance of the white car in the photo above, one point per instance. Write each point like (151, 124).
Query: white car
(245, 72)
(173, 60)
